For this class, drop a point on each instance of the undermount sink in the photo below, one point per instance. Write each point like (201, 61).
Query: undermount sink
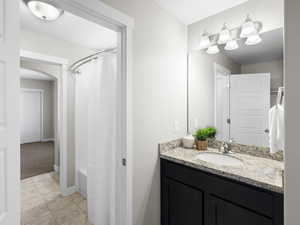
(220, 159)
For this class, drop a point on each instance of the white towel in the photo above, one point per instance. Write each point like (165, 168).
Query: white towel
(276, 124)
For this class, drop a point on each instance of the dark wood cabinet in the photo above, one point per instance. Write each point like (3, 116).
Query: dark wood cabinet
(194, 197)
(185, 204)
(227, 213)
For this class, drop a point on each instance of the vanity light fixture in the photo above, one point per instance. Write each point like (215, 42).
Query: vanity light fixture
(44, 10)
(205, 41)
(224, 35)
(213, 49)
(248, 28)
(253, 39)
(248, 31)
(231, 45)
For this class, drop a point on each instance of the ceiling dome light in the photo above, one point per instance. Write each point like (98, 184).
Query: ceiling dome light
(248, 28)
(253, 40)
(43, 10)
(205, 41)
(214, 49)
(224, 35)
(231, 45)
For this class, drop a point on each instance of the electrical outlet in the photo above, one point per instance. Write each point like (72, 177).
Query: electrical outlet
(196, 123)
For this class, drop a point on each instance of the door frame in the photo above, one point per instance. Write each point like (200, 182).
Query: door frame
(61, 131)
(41, 91)
(104, 15)
(224, 70)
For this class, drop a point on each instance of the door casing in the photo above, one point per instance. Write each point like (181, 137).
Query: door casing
(98, 12)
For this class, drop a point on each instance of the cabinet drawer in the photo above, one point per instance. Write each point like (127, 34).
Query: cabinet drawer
(253, 198)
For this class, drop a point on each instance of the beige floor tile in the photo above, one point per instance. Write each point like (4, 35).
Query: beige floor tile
(42, 203)
(83, 206)
(80, 219)
(35, 214)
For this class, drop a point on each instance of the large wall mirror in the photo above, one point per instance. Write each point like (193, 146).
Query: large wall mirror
(235, 90)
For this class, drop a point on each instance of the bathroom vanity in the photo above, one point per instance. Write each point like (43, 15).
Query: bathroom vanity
(196, 192)
(239, 93)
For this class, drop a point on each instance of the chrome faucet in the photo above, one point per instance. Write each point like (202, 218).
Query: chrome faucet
(226, 147)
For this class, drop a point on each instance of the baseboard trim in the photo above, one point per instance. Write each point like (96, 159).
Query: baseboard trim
(69, 191)
(56, 168)
(47, 139)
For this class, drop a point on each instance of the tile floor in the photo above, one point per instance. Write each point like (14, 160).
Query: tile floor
(42, 203)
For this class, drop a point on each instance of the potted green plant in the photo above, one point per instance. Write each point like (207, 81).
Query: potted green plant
(202, 135)
(211, 132)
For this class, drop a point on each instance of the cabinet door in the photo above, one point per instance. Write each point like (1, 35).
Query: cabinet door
(183, 204)
(221, 212)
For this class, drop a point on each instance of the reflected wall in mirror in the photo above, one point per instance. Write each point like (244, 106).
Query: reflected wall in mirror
(235, 90)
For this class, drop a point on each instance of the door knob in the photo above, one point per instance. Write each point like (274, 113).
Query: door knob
(267, 131)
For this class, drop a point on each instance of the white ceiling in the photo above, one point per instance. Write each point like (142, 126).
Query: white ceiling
(34, 75)
(271, 48)
(71, 28)
(191, 11)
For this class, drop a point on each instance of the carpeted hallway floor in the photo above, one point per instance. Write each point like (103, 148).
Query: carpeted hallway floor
(36, 158)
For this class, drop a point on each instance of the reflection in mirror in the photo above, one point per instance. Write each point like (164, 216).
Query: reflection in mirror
(236, 91)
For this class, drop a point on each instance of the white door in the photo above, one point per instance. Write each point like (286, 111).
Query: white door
(249, 108)
(31, 116)
(222, 102)
(9, 113)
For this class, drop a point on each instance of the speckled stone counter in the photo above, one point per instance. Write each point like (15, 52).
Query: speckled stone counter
(257, 171)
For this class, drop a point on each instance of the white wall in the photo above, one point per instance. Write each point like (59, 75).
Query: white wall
(202, 87)
(48, 103)
(292, 112)
(274, 67)
(270, 12)
(159, 97)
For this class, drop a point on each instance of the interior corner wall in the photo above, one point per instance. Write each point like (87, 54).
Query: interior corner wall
(292, 112)
(159, 97)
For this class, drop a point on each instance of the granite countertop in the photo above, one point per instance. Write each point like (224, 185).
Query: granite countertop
(257, 171)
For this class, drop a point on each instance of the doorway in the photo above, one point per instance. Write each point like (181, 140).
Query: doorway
(122, 25)
(92, 10)
(37, 136)
(31, 115)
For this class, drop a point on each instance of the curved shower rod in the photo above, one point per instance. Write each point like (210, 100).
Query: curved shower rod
(73, 68)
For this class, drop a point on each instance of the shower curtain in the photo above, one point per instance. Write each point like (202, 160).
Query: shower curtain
(101, 139)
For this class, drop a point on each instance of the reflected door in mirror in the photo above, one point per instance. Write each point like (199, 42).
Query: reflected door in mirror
(249, 108)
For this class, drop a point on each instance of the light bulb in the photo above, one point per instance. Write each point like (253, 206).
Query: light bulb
(224, 35)
(214, 49)
(253, 39)
(44, 11)
(248, 28)
(231, 45)
(204, 42)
